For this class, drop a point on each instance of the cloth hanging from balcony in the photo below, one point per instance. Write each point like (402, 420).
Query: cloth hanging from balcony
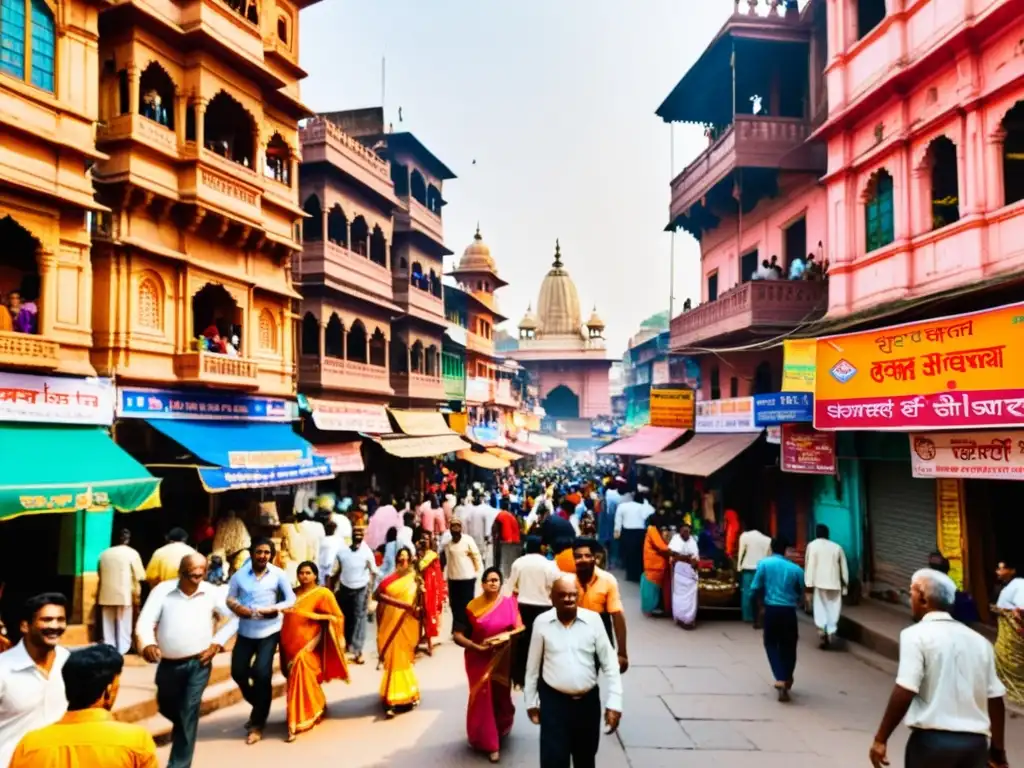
(647, 441)
(422, 447)
(704, 454)
(64, 468)
(232, 455)
(343, 457)
(420, 423)
(482, 460)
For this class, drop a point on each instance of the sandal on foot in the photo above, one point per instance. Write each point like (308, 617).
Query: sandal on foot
(255, 735)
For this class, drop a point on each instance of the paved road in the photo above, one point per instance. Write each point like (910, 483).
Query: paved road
(699, 699)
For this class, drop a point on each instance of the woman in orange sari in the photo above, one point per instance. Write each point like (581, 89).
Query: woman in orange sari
(312, 650)
(398, 634)
(435, 590)
(486, 632)
(656, 580)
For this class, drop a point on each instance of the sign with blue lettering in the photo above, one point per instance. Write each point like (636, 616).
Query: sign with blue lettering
(783, 408)
(224, 478)
(139, 403)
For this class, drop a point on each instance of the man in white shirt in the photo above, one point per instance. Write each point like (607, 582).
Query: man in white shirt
(568, 649)
(405, 532)
(530, 581)
(329, 549)
(464, 563)
(31, 687)
(754, 547)
(630, 528)
(474, 523)
(826, 573)
(121, 575)
(175, 628)
(354, 570)
(947, 691)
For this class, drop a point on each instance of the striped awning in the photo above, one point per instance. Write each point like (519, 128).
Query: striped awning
(421, 423)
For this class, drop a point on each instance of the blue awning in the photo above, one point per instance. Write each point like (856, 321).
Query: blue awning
(240, 454)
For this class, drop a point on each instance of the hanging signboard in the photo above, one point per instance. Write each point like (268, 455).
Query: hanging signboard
(672, 406)
(798, 356)
(733, 414)
(783, 408)
(996, 455)
(339, 416)
(806, 451)
(950, 525)
(56, 400)
(139, 403)
(956, 372)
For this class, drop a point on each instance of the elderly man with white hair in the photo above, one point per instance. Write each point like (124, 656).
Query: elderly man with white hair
(947, 691)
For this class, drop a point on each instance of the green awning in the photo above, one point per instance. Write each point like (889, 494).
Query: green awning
(65, 468)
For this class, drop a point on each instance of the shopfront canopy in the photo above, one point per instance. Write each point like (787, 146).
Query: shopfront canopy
(526, 449)
(647, 441)
(343, 457)
(239, 454)
(502, 453)
(404, 447)
(547, 442)
(64, 468)
(483, 460)
(421, 423)
(704, 454)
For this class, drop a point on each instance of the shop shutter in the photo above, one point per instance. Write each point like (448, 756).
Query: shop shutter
(901, 512)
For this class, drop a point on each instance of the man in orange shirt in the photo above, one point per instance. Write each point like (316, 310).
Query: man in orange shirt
(599, 592)
(88, 736)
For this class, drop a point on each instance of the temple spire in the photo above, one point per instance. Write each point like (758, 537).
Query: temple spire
(478, 236)
(558, 255)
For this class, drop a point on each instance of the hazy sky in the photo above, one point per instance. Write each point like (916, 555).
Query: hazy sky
(555, 101)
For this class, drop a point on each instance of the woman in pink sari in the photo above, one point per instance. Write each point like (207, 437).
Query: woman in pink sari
(486, 632)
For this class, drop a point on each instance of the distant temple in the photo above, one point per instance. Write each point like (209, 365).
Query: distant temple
(565, 357)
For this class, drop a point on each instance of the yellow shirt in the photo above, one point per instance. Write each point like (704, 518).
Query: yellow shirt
(87, 738)
(601, 595)
(166, 562)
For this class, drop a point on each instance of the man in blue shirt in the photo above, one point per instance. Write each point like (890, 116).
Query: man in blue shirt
(779, 586)
(257, 594)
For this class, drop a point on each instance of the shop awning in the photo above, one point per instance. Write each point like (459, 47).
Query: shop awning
(647, 441)
(343, 457)
(342, 416)
(526, 449)
(704, 454)
(547, 442)
(501, 453)
(483, 460)
(65, 468)
(421, 423)
(238, 454)
(421, 447)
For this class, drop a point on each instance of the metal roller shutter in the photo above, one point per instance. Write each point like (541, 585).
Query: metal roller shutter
(901, 510)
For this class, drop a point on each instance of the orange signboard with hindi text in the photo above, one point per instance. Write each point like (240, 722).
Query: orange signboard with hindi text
(956, 372)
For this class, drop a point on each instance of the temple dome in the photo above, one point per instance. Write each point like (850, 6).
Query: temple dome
(529, 321)
(558, 306)
(477, 256)
(595, 321)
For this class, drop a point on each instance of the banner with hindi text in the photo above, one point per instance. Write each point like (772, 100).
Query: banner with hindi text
(958, 372)
(798, 370)
(997, 455)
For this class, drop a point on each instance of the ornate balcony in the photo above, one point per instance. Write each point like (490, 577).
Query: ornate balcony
(345, 375)
(140, 129)
(324, 261)
(417, 218)
(219, 184)
(211, 370)
(23, 350)
(418, 386)
(753, 141)
(477, 343)
(501, 393)
(762, 307)
(454, 387)
(414, 301)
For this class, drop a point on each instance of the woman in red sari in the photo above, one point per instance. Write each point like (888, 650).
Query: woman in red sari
(486, 632)
(435, 589)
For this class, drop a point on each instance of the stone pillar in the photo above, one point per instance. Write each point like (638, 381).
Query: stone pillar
(995, 189)
(47, 292)
(133, 90)
(323, 340)
(256, 162)
(83, 535)
(180, 103)
(293, 168)
(200, 110)
(348, 235)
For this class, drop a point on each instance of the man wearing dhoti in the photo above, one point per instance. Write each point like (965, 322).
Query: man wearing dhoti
(827, 576)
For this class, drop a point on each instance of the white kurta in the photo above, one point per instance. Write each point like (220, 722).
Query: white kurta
(684, 581)
(827, 574)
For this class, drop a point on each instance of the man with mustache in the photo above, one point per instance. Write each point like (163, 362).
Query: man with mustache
(31, 687)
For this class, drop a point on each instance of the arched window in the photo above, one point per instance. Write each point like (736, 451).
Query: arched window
(278, 163)
(378, 349)
(337, 226)
(360, 233)
(1013, 154)
(416, 275)
(945, 184)
(378, 247)
(399, 356)
(156, 95)
(870, 14)
(879, 227)
(434, 201)
(313, 227)
(215, 317)
(268, 331)
(282, 28)
(334, 338)
(431, 361)
(310, 335)
(27, 26)
(247, 9)
(19, 272)
(400, 178)
(416, 357)
(357, 342)
(229, 129)
(150, 314)
(716, 384)
(418, 187)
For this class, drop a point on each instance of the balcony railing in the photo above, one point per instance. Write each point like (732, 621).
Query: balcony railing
(223, 184)
(418, 386)
(346, 375)
(338, 264)
(753, 141)
(213, 370)
(419, 218)
(758, 305)
(23, 350)
(454, 387)
(477, 343)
